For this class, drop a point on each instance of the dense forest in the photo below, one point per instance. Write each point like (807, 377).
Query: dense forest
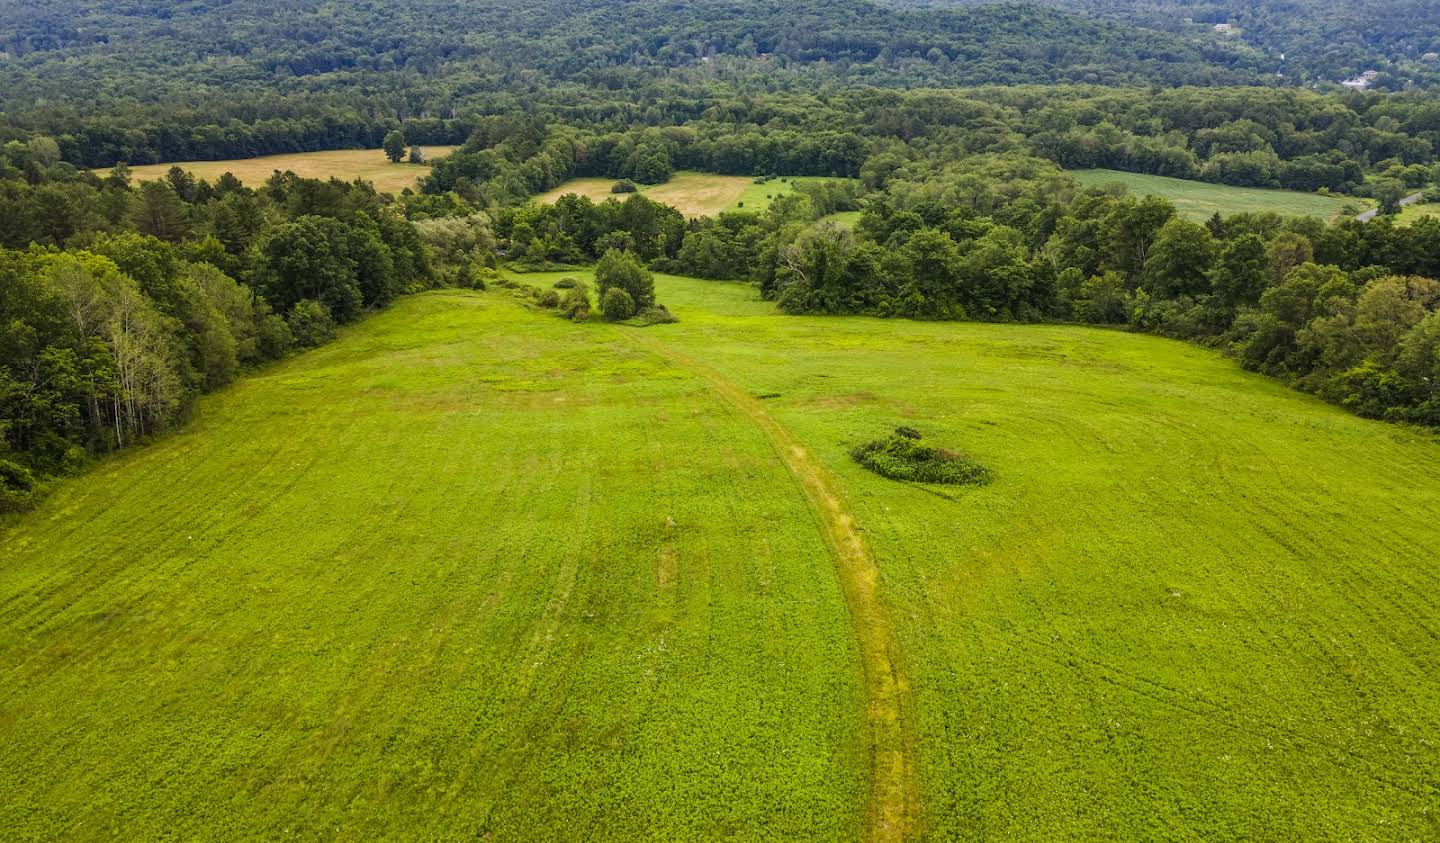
(153, 81)
(156, 81)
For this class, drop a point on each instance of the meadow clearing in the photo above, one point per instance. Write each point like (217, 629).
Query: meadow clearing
(473, 569)
(344, 164)
(697, 194)
(1198, 200)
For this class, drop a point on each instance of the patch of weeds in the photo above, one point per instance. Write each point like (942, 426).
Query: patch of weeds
(655, 315)
(904, 456)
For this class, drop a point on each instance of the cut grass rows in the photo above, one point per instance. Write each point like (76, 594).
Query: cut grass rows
(473, 569)
(1190, 601)
(461, 573)
(893, 808)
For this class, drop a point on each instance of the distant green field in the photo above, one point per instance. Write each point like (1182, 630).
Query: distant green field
(758, 197)
(476, 571)
(692, 193)
(844, 219)
(1200, 200)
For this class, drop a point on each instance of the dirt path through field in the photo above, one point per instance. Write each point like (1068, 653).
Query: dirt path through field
(894, 803)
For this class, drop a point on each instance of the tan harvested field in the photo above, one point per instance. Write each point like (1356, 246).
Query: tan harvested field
(346, 164)
(692, 194)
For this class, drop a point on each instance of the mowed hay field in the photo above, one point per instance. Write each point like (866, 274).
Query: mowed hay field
(1198, 201)
(473, 569)
(693, 194)
(465, 572)
(344, 164)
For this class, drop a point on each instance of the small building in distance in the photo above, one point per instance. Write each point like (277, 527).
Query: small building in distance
(1361, 82)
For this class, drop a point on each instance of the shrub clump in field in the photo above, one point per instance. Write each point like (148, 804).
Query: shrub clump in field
(575, 303)
(565, 284)
(904, 456)
(624, 186)
(617, 304)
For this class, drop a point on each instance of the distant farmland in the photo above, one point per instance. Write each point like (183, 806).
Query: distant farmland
(692, 193)
(346, 164)
(1200, 200)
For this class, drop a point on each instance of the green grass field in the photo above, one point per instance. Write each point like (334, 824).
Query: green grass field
(693, 194)
(474, 570)
(844, 219)
(345, 164)
(1418, 211)
(1198, 200)
(758, 197)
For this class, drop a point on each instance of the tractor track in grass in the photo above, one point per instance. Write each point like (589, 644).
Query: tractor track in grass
(893, 805)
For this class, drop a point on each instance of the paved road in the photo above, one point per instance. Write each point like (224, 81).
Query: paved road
(1408, 200)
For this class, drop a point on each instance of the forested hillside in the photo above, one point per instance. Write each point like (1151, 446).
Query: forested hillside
(165, 81)
(1306, 41)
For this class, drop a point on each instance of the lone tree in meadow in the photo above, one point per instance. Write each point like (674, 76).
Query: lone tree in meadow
(621, 270)
(394, 145)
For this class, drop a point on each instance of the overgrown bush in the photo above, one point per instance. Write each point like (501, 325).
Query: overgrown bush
(575, 303)
(311, 323)
(17, 487)
(624, 186)
(548, 298)
(903, 456)
(657, 315)
(565, 283)
(617, 305)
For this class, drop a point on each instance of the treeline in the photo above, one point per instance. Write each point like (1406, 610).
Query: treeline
(509, 159)
(119, 304)
(514, 147)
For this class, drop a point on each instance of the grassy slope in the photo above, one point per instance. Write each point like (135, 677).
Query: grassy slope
(467, 570)
(419, 577)
(694, 194)
(1199, 200)
(345, 164)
